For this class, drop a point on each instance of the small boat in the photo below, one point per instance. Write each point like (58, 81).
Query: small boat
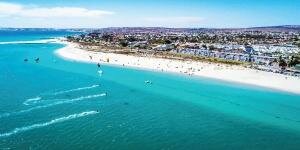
(148, 82)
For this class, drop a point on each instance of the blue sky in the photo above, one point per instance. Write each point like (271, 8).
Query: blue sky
(166, 13)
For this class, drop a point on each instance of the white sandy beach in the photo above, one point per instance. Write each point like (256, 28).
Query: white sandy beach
(201, 69)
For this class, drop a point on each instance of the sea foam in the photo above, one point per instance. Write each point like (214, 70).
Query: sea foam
(54, 121)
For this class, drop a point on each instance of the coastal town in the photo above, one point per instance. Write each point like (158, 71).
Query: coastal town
(150, 74)
(273, 49)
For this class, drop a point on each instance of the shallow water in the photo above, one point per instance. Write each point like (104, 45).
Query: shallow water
(59, 104)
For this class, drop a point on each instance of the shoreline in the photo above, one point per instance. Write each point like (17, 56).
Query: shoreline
(237, 74)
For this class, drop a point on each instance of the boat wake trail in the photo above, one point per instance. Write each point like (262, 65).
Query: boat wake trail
(62, 101)
(32, 100)
(38, 98)
(54, 121)
(76, 89)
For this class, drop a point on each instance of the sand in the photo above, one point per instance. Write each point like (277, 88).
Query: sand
(230, 73)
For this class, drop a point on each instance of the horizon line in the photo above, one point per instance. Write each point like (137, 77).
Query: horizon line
(269, 26)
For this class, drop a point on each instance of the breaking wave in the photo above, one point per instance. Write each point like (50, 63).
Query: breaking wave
(54, 121)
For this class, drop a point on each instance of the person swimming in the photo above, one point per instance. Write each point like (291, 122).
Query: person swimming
(37, 60)
(26, 60)
(98, 65)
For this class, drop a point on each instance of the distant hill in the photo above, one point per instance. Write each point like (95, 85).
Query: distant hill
(283, 28)
(278, 28)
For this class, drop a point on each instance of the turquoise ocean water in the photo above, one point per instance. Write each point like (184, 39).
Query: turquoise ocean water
(60, 104)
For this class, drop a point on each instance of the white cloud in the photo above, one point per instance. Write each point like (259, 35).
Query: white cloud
(8, 8)
(19, 15)
(17, 10)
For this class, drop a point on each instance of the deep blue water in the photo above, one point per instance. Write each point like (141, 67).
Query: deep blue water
(60, 104)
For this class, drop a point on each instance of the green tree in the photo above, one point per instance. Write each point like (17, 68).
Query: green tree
(282, 63)
(124, 43)
(294, 61)
(167, 41)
